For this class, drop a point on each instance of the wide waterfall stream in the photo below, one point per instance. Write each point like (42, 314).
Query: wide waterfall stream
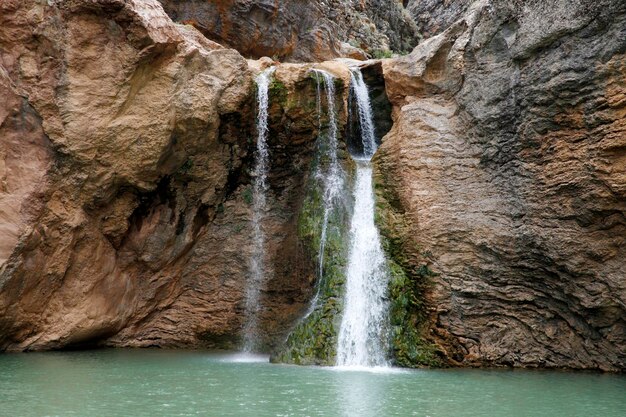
(349, 325)
(362, 336)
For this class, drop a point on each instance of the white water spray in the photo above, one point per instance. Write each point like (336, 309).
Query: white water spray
(366, 121)
(257, 277)
(363, 331)
(329, 172)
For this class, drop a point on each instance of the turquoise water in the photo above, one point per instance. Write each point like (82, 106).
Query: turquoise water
(174, 383)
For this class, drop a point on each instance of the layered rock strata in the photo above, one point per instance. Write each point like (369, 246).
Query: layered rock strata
(301, 30)
(505, 173)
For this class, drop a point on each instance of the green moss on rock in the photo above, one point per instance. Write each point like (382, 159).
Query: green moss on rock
(410, 276)
(407, 318)
(277, 90)
(313, 341)
(248, 195)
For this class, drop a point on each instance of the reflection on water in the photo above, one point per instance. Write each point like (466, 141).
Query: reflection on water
(167, 383)
(358, 397)
(243, 357)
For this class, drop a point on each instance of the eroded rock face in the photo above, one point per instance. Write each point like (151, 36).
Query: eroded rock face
(125, 165)
(25, 156)
(434, 16)
(507, 159)
(128, 100)
(300, 30)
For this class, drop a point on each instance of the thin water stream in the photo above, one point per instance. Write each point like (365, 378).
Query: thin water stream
(329, 171)
(257, 278)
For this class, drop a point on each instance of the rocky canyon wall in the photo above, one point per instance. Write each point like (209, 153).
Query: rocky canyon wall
(505, 173)
(301, 30)
(434, 16)
(126, 158)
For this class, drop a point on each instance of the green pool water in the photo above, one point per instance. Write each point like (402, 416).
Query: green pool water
(178, 383)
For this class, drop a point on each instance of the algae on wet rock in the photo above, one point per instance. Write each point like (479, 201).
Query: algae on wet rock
(314, 339)
(409, 280)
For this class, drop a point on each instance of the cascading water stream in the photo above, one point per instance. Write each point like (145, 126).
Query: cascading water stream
(366, 120)
(329, 171)
(363, 332)
(257, 277)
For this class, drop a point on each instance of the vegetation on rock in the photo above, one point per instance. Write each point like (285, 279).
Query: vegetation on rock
(314, 338)
(409, 279)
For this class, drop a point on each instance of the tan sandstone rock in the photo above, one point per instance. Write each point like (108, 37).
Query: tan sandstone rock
(125, 138)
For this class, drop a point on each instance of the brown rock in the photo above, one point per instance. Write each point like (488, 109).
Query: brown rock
(300, 30)
(125, 158)
(25, 157)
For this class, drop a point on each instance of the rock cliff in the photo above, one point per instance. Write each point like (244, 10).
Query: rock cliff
(301, 30)
(506, 162)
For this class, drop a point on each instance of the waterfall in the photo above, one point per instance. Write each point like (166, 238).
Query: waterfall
(256, 280)
(366, 121)
(329, 171)
(363, 332)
